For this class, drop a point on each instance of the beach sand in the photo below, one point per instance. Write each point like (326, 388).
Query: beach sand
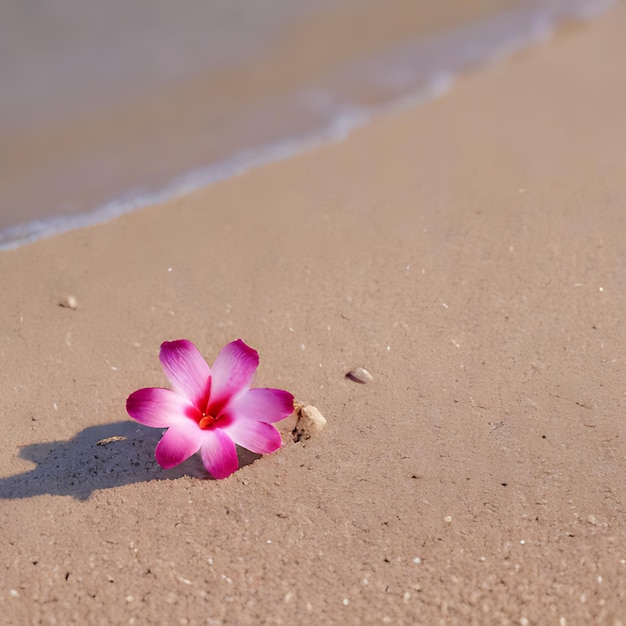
(469, 254)
(86, 135)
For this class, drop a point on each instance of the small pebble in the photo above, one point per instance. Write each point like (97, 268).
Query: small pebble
(310, 422)
(68, 302)
(360, 375)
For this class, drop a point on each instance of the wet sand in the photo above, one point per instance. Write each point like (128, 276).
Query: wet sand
(469, 254)
(131, 119)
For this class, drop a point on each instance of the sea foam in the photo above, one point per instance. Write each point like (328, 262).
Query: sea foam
(349, 96)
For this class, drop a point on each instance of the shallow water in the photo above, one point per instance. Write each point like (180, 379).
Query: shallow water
(106, 107)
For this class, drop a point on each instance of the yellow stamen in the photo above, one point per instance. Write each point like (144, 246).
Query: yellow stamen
(206, 421)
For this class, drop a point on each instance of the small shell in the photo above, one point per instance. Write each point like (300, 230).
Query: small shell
(310, 422)
(108, 440)
(360, 375)
(68, 302)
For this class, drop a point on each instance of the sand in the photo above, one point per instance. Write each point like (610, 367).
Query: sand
(88, 138)
(469, 254)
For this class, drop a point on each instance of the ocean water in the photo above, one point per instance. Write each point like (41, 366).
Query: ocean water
(109, 107)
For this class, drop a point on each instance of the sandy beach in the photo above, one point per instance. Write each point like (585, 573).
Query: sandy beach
(84, 112)
(469, 253)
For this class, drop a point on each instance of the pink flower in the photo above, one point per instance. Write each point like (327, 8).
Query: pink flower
(210, 410)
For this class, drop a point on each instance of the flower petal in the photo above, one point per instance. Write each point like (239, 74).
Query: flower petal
(263, 405)
(186, 370)
(159, 408)
(178, 443)
(257, 437)
(218, 453)
(233, 371)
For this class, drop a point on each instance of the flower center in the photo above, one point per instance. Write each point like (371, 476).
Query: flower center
(206, 421)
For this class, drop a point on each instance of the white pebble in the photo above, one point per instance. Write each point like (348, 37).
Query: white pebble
(360, 375)
(68, 302)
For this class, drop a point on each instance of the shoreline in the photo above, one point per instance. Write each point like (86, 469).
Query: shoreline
(90, 142)
(468, 254)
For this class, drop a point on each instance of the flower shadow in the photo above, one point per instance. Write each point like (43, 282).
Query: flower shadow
(98, 457)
